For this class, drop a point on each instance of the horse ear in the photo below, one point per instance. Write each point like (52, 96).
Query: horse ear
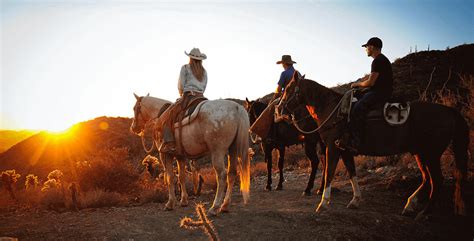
(148, 94)
(136, 96)
(302, 77)
(247, 100)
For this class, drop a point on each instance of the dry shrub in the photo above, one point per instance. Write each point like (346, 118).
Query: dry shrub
(156, 191)
(258, 169)
(53, 198)
(108, 170)
(98, 198)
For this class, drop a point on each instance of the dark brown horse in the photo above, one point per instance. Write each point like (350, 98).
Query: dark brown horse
(284, 135)
(429, 130)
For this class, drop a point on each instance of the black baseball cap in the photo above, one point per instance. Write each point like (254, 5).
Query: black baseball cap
(376, 42)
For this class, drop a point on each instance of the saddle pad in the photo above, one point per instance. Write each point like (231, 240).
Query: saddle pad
(189, 118)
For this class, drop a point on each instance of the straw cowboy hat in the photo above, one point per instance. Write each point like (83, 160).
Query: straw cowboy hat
(195, 53)
(286, 59)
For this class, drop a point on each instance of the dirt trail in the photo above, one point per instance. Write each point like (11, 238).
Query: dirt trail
(275, 215)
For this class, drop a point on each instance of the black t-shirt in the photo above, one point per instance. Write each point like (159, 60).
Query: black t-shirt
(384, 82)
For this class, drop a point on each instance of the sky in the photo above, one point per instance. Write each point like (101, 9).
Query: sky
(64, 62)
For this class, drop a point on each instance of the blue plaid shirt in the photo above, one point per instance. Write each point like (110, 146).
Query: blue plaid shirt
(286, 76)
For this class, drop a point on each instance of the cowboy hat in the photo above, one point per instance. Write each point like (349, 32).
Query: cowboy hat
(195, 53)
(286, 59)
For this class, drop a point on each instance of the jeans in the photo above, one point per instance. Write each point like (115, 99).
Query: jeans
(360, 110)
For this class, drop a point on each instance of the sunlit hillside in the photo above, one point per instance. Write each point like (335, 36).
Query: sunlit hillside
(8, 138)
(46, 151)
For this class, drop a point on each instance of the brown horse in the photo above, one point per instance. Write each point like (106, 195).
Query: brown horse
(429, 130)
(286, 134)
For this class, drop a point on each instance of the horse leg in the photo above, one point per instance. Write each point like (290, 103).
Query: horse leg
(348, 160)
(219, 168)
(322, 153)
(231, 174)
(421, 193)
(436, 180)
(310, 152)
(323, 174)
(332, 158)
(268, 158)
(195, 175)
(281, 161)
(182, 181)
(170, 176)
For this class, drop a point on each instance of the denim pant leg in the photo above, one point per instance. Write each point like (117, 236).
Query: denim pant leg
(361, 108)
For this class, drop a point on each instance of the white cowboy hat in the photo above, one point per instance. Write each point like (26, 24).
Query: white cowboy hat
(196, 54)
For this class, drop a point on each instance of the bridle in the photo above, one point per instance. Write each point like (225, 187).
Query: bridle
(137, 113)
(295, 97)
(254, 115)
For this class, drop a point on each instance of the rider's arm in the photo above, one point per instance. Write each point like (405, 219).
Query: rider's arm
(368, 82)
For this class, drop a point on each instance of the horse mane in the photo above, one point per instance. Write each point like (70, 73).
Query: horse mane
(155, 101)
(312, 91)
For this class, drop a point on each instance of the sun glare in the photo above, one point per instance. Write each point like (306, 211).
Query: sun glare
(62, 133)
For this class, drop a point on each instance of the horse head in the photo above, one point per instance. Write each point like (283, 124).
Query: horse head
(291, 99)
(254, 109)
(138, 121)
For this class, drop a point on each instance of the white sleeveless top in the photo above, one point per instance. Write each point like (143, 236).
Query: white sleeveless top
(187, 81)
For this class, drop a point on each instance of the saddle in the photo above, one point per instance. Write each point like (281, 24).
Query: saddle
(392, 112)
(190, 107)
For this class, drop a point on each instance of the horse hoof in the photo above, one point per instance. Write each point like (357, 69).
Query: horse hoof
(421, 217)
(212, 212)
(279, 188)
(321, 208)
(306, 193)
(353, 205)
(224, 209)
(408, 212)
(268, 188)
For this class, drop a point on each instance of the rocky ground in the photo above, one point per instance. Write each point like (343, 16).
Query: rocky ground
(275, 215)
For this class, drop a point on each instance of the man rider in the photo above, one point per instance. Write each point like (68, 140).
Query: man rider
(379, 86)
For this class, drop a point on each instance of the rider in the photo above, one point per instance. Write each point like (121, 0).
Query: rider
(285, 78)
(379, 86)
(192, 82)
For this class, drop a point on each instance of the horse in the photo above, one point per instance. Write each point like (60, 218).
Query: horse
(288, 135)
(220, 128)
(428, 131)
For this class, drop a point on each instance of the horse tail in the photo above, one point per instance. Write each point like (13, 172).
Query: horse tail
(461, 155)
(241, 143)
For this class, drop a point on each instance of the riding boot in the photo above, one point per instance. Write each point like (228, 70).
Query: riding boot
(169, 144)
(348, 141)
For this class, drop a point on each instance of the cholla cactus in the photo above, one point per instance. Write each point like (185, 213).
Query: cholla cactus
(203, 223)
(9, 178)
(54, 180)
(31, 181)
(56, 174)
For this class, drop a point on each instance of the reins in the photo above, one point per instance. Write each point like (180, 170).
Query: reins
(295, 122)
(163, 109)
